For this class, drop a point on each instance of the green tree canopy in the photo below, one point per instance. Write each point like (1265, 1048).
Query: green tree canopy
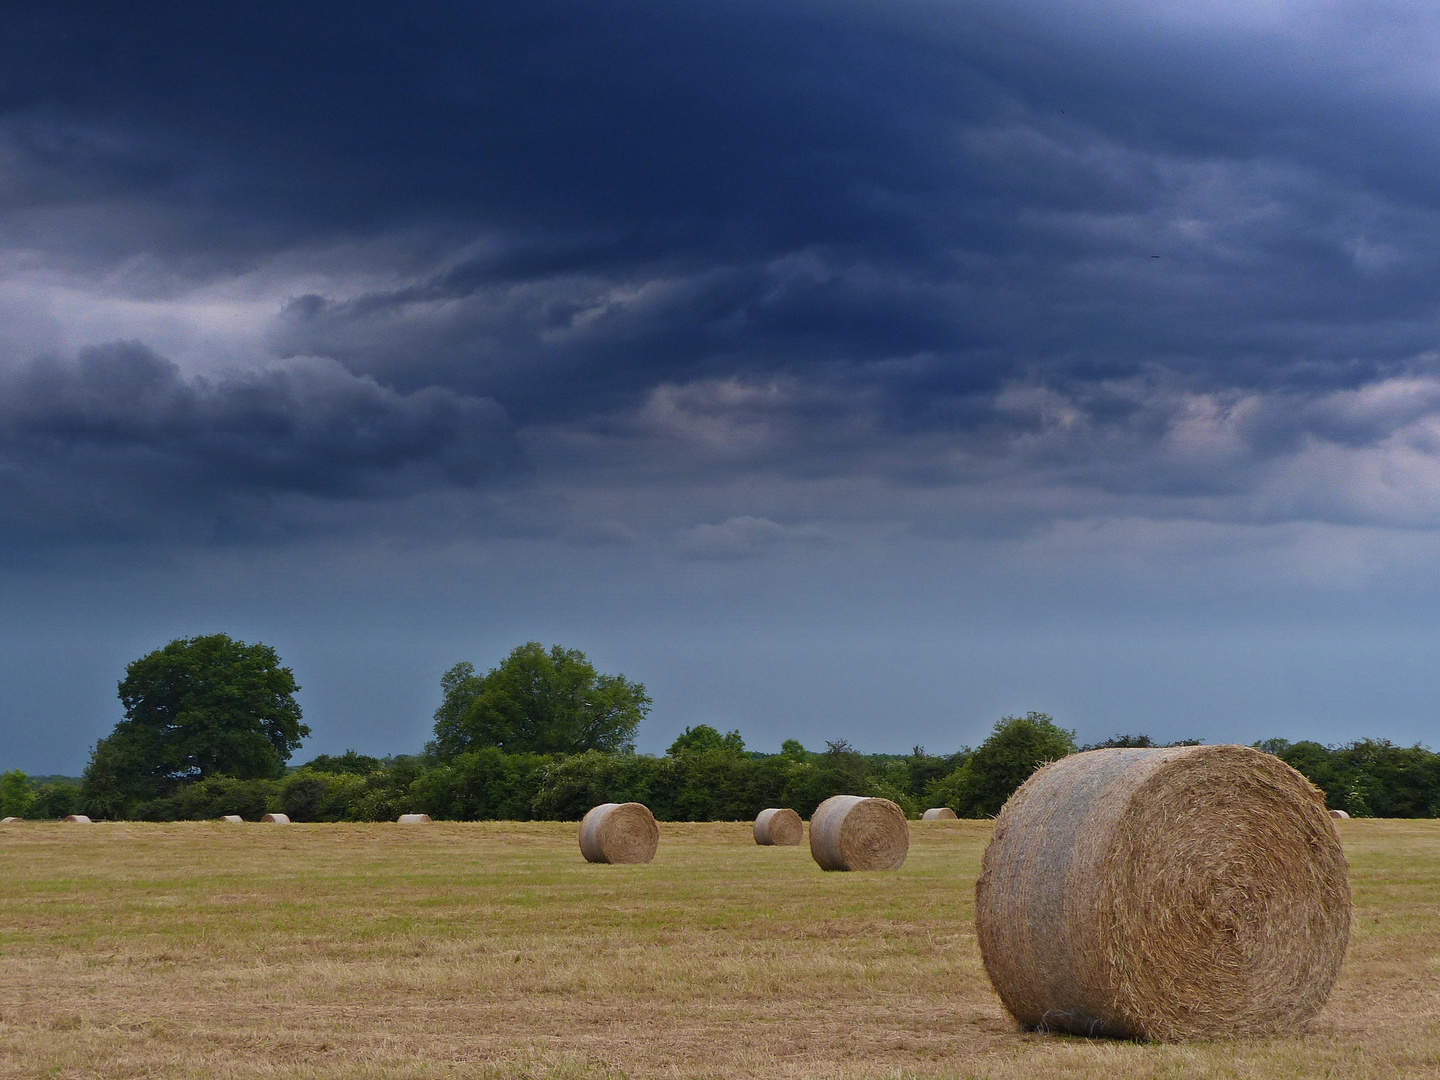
(537, 702)
(199, 707)
(348, 762)
(703, 738)
(1017, 747)
(794, 749)
(16, 794)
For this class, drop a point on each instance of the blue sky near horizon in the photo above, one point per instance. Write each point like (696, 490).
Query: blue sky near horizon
(837, 369)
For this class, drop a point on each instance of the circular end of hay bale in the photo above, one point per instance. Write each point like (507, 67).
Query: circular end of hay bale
(619, 833)
(79, 819)
(1339, 814)
(11, 821)
(413, 819)
(233, 819)
(779, 826)
(1186, 892)
(276, 819)
(940, 813)
(852, 832)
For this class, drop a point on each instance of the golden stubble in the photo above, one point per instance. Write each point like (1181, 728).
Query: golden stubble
(493, 950)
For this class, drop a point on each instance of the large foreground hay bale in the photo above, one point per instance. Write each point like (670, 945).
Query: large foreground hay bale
(234, 819)
(940, 813)
(1339, 814)
(413, 819)
(779, 826)
(851, 832)
(276, 819)
(1189, 892)
(79, 819)
(619, 833)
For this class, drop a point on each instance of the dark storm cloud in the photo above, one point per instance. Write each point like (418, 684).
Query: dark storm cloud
(1122, 250)
(119, 437)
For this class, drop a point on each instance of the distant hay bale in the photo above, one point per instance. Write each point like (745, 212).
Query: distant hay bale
(11, 820)
(79, 819)
(1339, 814)
(779, 826)
(276, 819)
(940, 813)
(1187, 892)
(413, 819)
(619, 833)
(851, 832)
(234, 819)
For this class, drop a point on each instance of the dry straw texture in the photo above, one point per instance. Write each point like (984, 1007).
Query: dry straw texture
(851, 832)
(619, 833)
(233, 819)
(779, 826)
(1191, 892)
(351, 951)
(276, 819)
(78, 819)
(413, 819)
(940, 813)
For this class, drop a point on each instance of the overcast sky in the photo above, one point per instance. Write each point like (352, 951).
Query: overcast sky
(837, 369)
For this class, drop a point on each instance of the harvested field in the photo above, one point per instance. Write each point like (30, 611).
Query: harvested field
(493, 950)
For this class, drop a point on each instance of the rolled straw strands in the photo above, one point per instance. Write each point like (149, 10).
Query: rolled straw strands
(79, 819)
(779, 826)
(851, 832)
(939, 813)
(413, 819)
(276, 819)
(619, 833)
(1189, 892)
(234, 819)
(1339, 814)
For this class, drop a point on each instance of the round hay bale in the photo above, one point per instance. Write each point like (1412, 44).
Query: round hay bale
(413, 819)
(276, 819)
(940, 813)
(779, 826)
(619, 833)
(79, 819)
(234, 819)
(1339, 814)
(851, 832)
(1188, 892)
(11, 820)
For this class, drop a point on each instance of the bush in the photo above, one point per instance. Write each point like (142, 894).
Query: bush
(481, 784)
(221, 795)
(1015, 749)
(55, 801)
(1369, 777)
(316, 796)
(571, 786)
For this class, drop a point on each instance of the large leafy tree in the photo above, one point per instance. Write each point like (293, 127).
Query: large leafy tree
(199, 707)
(538, 702)
(16, 794)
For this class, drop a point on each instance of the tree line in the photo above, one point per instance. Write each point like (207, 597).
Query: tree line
(211, 724)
